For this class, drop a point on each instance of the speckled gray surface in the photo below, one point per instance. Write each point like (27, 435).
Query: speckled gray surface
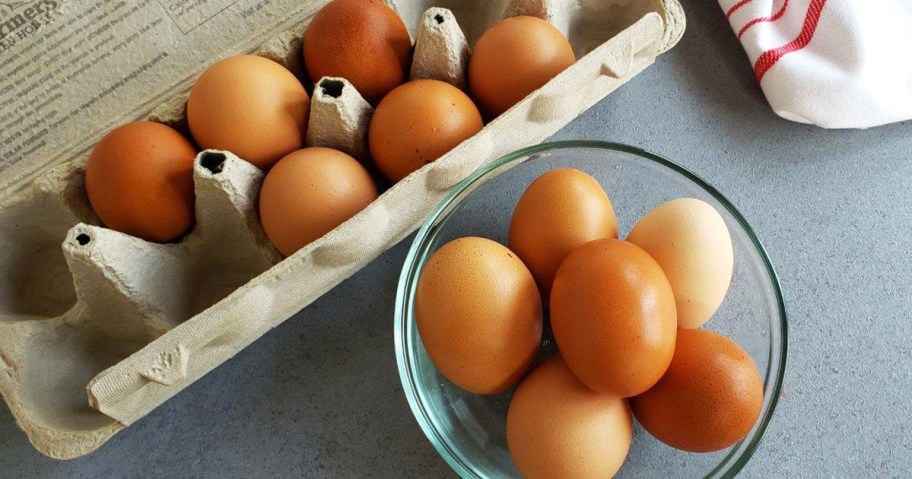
(320, 395)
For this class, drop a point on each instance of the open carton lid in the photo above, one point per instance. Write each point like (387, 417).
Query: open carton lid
(72, 70)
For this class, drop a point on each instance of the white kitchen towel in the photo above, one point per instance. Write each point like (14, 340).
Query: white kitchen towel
(836, 63)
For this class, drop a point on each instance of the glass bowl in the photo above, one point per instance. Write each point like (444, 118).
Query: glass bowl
(469, 430)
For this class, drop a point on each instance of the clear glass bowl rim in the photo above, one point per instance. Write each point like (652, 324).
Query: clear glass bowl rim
(409, 277)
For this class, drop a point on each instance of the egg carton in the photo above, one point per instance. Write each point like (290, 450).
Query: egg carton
(98, 328)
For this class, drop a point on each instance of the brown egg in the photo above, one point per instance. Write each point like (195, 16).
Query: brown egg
(709, 398)
(363, 41)
(139, 180)
(417, 123)
(517, 56)
(479, 314)
(559, 428)
(250, 106)
(562, 209)
(613, 315)
(309, 193)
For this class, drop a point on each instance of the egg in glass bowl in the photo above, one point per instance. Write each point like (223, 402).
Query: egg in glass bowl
(470, 430)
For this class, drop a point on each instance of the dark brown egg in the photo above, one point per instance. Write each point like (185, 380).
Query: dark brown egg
(517, 56)
(363, 41)
(139, 180)
(709, 398)
(417, 123)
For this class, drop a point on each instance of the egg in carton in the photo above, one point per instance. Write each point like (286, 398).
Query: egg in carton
(98, 332)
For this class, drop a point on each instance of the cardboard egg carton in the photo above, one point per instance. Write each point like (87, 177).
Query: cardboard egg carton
(98, 328)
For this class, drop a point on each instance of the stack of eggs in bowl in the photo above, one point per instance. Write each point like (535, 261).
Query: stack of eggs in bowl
(139, 178)
(625, 316)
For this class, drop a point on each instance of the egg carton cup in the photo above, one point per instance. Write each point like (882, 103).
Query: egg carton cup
(98, 328)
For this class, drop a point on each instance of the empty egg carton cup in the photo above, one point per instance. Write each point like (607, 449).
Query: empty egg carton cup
(98, 328)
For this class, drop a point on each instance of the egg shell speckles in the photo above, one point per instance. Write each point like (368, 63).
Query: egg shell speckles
(363, 41)
(310, 192)
(613, 315)
(139, 180)
(559, 428)
(250, 106)
(689, 240)
(562, 209)
(479, 314)
(709, 398)
(515, 57)
(419, 122)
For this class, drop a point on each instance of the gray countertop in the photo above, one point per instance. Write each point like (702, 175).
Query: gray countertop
(320, 395)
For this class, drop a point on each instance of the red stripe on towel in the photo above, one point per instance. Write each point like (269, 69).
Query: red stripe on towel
(771, 18)
(767, 59)
(736, 7)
